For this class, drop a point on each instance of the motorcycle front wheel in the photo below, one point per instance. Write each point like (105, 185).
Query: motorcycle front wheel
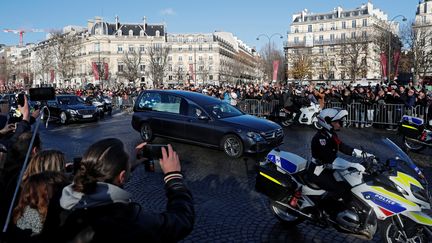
(390, 233)
(283, 215)
(412, 145)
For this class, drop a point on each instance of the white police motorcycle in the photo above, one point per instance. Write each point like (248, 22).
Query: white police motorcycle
(308, 116)
(393, 196)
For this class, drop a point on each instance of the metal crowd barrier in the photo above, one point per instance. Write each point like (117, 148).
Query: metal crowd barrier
(358, 113)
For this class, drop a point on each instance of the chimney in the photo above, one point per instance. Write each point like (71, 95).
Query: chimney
(116, 23)
(144, 23)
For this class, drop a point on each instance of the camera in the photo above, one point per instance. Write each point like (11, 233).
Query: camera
(42, 94)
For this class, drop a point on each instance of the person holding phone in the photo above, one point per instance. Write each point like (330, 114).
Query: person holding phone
(97, 209)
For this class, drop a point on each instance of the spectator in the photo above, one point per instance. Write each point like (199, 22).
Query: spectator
(47, 160)
(39, 191)
(100, 210)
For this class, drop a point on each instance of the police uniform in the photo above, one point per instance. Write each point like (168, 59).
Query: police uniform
(325, 146)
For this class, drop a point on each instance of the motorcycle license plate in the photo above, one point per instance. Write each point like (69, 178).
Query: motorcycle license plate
(87, 116)
(282, 114)
(311, 109)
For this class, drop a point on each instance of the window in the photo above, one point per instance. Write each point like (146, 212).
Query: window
(354, 23)
(332, 37)
(170, 68)
(180, 48)
(364, 22)
(169, 58)
(321, 38)
(142, 67)
(190, 48)
(321, 76)
(210, 47)
(321, 50)
(343, 36)
(194, 111)
(200, 48)
(296, 40)
(343, 25)
(310, 28)
(342, 62)
(332, 63)
(332, 75)
(160, 102)
(131, 48)
(333, 27)
(321, 27)
(142, 48)
(170, 77)
(190, 58)
(353, 35)
(180, 58)
(200, 68)
(97, 47)
(296, 30)
(120, 67)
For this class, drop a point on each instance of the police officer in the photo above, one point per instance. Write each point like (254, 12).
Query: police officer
(325, 146)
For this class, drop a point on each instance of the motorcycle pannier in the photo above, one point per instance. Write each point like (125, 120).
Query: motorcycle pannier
(411, 127)
(274, 184)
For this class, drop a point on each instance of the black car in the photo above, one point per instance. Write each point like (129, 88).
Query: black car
(204, 120)
(68, 108)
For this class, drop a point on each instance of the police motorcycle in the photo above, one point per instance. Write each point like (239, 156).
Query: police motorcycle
(391, 195)
(98, 102)
(307, 115)
(416, 135)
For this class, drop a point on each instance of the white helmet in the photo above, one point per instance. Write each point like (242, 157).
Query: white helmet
(329, 115)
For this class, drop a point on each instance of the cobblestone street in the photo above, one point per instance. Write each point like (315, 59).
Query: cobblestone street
(227, 207)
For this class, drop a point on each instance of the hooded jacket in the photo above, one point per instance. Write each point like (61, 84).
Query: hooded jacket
(109, 215)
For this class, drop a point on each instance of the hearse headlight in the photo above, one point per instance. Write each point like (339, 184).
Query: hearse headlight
(255, 136)
(74, 112)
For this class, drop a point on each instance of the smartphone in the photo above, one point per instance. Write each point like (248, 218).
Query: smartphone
(20, 99)
(154, 151)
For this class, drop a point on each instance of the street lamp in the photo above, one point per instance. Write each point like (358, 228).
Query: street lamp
(269, 41)
(389, 44)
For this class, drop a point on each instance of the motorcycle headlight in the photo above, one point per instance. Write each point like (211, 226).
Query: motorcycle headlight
(72, 111)
(255, 136)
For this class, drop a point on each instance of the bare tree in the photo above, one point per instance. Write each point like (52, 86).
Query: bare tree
(354, 53)
(270, 53)
(6, 70)
(418, 39)
(44, 61)
(158, 58)
(132, 61)
(64, 50)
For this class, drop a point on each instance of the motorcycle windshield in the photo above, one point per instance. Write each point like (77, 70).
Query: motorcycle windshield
(395, 151)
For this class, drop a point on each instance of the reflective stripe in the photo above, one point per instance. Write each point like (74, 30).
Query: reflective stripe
(410, 127)
(422, 218)
(271, 178)
(406, 180)
(394, 196)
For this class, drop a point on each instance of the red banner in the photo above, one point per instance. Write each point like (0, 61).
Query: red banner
(396, 59)
(275, 69)
(52, 75)
(384, 64)
(95, 71)
(191, 72)
(106, 71)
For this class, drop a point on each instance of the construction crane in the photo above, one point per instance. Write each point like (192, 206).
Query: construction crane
(21, 33)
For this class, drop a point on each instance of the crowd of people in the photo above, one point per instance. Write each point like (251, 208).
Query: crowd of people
(87, 203)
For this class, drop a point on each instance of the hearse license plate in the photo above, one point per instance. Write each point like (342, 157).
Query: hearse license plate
(87, 116)
(282, 114)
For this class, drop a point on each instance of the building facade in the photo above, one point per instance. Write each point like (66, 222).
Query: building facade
(113, 54)
(336, 46)
(422, 45)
